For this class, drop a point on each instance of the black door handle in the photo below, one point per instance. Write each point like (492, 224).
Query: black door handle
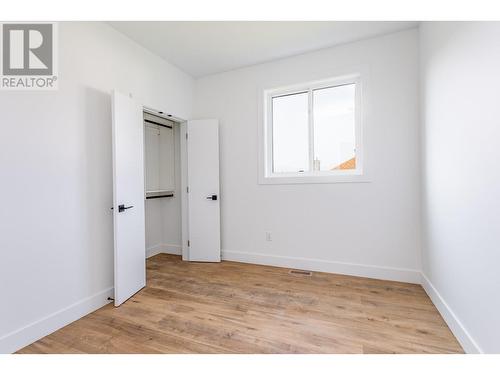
(212, 197)
(122, 207)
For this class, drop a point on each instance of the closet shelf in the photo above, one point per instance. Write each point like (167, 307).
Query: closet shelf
(159, 194)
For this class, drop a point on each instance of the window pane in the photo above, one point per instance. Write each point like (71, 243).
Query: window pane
(334, 120)
(290, 133)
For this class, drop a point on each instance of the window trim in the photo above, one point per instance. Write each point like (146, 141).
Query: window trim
(266, 174)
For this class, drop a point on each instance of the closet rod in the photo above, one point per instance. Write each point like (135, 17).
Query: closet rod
(157, 123)
(160, 196)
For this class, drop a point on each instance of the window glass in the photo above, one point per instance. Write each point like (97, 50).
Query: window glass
(334, 128)
(290, 128)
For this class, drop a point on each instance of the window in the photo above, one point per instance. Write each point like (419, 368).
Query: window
(312, 132)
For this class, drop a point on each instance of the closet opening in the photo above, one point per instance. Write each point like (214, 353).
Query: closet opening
(162, 171)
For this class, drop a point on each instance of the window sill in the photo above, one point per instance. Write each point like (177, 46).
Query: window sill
(332, 179)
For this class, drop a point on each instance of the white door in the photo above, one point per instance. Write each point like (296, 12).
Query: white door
(203, 196)
(128, 197)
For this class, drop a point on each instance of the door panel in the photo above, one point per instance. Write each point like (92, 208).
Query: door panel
(203, 196)
(128, 192)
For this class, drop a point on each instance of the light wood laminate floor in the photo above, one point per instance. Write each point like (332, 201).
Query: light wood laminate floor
(233, 307)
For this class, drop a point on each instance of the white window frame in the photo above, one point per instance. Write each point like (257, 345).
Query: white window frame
(266, 174)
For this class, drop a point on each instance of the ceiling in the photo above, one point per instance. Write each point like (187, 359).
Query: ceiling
(208, 47)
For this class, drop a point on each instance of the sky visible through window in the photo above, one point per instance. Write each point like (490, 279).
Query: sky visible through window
(333, 124)
(334, 138)
(290, 133)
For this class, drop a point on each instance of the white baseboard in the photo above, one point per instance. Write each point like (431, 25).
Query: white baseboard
(319, 265)
(172, 249)
(153, 250)
(163, 248)
(32, 332)
(458, 329)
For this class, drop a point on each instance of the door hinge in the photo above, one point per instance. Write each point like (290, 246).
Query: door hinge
(187, 189)
(186, 135)
(189, 243)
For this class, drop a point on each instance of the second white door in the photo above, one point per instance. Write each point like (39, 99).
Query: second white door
(203, 195)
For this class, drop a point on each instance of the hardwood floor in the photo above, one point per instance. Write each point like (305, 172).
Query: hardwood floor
(232, 307)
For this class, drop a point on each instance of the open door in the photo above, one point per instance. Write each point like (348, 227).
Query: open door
(203, 190)
(128, 197)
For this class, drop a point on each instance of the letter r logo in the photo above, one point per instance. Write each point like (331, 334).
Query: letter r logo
(27, 49)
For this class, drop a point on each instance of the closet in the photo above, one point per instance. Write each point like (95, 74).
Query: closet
(165, 190)
(159, 152)
(162, 185)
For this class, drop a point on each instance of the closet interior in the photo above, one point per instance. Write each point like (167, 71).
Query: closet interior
(162, 184)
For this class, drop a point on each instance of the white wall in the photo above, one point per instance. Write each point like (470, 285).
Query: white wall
(370, 229)
(56, 186)
(461, 178)
(171, 224)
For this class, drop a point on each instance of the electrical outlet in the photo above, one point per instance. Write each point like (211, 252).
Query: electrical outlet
(269, 236)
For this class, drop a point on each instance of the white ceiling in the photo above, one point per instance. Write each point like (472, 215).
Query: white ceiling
(203, 48)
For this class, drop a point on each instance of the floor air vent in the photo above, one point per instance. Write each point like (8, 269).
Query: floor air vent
(300, 272)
